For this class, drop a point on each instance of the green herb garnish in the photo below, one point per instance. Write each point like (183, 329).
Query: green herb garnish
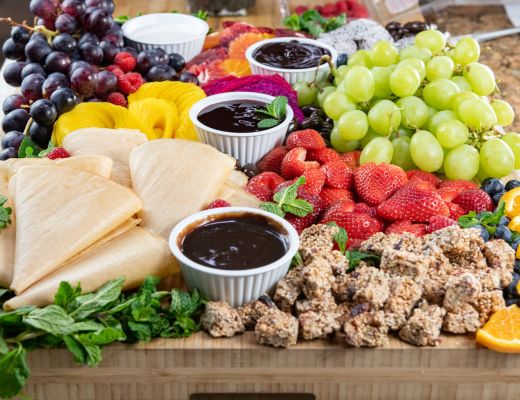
(84, 323)
(286, 201)
(5, 215)
(313, 22)
(488, 220)
(273, 113)
(28, 149)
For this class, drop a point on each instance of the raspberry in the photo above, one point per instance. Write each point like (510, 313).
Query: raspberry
(118, 99)
(130, 82)
(125, 61)
(115, 70)
(219, 203)
(58, 152)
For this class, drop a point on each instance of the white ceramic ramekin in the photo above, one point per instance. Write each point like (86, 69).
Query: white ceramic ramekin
(245, 147)
(236, 287)
(291, 75)
(175, 33)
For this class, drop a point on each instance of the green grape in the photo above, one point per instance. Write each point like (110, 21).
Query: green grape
(336, 104)
(462, 83)
(404, 81)
(340, 144)
(414, 112)
(405, 132)
(382, 87)
(402, 157)
(306, 93)
(481, 174)
(466, 51)
(368, 137)
(439, 94)
(361, 57)
(481, 78)
(359, 84)
(440, 117)
(423, 54)
(431, 39)
(452, 133)
(383, 54)
(323, 93)
(416, 64)
(353, 125)
(459, 98)
(462, 163)
(513, 141)
(505, 113)
(384, 117)
(378, 150)
(426, 152)
(341, 72)
(497, 158)
(477, 114)
(440, 67)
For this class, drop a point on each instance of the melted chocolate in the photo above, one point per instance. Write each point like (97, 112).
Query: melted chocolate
(233, 117)
(235, 242)
(290, 55)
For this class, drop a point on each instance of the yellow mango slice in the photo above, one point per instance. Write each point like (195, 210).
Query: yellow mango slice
(160, 118)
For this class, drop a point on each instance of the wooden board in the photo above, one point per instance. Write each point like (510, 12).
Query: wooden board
(177, 369)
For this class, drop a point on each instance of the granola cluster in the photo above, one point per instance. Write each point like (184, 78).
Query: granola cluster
(450, 280)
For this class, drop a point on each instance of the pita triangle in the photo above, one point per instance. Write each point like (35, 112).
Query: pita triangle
(61, 212)
(7, 237)
(134, 255)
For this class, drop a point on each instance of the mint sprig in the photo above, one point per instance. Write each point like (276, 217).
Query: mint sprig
(273, 113)
(286, 201)
(487, 219)
(311, 21)
(5, 213)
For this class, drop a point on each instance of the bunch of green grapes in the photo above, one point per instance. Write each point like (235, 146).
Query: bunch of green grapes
(428, 107)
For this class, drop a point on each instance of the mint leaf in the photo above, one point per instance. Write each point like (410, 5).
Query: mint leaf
(93, 302)
(28, 148)
(52, 319)
(298, 207)
(341, 238)
(273, 112)
(93, 354)
(13, 372)
(141, 331)
(105, 336)
(354, 258)
(15, 317)
(296, 260)
(279, 105)
(292, 22)
(66, 295)
(469, 220)
(494, 217)
(78, 352)
(48, 150)
(183, 303)
(289, 193)
(4, 349)
(273, 208)
(268, 123)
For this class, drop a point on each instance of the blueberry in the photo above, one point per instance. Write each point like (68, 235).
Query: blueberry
(510, 291)
(342, 59)
(511, 302)
(517, 266)
(483, 232)
(492, 186)
(503, 232)
(503, 221)
(497, 196)
(514, 246)
(513, 183)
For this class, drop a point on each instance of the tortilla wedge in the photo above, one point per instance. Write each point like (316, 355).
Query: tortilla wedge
(237, 196)
(114, 143)
(175, 178)
(61, 212)
(134, 255)
(7, 237)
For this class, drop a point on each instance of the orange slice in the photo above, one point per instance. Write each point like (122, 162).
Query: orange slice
(502, 331)
(512, 200)
(235, 66)
(238, 47)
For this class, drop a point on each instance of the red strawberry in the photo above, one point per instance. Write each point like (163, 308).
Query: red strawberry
(458, 186)
(474, 200)
(414, 203)
(358, 226)
(447, 194)
(456, 211)
(338, 174)
(117, 98)
(309, 139)
(300, 223)
(330, 8)
(58, 152)
(407, 226)
(323, 155)
(314, 181)
(263, 185)
(354, 243)
(294, 164)
(424, 176)
(375, 183)
(331, 195)
(219, 203)
(341, 206)
(351, 159)
(365, 209)
(272, 161)
(125, 61)
(438, 222)
(300, 9)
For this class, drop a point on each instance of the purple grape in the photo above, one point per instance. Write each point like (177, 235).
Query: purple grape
(91, 53)
(64, 100)
(13, 73)
(8, 153)
(43, 8)
(12, 139)
(38, 36)
(57, 62)
(32, 87)
(84, 81)
(146, 60)
(37, 50)
(176, 61)
(163, 56)
(115, 35)
(40, 134)
(33, 68)
(12, 50)
(64, 43)
(88, 38)
(43, 112)
(49, 23)
(54, 82)
(15, 120)
(100, 21)
(107, 83)
(110, 50)
(104, 4)
(66, 23)
(20, 35)
(159, 73)
(13, 102)
(81, 64)
(75, 8)
(188, 77)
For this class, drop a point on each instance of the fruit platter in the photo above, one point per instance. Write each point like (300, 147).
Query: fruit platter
(324, 210)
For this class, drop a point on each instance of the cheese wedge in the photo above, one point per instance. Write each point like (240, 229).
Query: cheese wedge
(134, 255)
(7, 237)
(114, 143)
(61, 212)
(175, 178)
